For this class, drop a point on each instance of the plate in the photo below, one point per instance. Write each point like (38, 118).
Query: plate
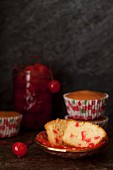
(65, 151)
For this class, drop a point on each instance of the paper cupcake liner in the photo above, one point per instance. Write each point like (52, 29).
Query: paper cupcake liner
(85, 109)
(103, 121)
(9, 126)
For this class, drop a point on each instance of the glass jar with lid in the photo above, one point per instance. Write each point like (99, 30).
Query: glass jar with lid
(32, 96)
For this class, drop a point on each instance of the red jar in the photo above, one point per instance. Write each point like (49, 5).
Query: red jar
(32, 96)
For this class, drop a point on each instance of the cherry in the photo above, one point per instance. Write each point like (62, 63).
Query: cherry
(54, 86)
(19, 149)
(41, 69)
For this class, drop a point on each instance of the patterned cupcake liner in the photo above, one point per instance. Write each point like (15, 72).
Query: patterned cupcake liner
(103, 121)
(85, 109)
(10, 126)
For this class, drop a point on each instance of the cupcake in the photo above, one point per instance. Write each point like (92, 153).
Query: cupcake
(85, 104)
(9, 123)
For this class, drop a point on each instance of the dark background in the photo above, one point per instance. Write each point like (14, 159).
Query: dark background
(73, 37)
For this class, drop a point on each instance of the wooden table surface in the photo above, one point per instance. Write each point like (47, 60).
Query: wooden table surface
(37, 159)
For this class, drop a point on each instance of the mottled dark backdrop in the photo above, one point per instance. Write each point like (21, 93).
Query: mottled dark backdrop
(73, 37)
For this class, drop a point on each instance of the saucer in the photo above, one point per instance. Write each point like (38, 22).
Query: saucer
(65, 151)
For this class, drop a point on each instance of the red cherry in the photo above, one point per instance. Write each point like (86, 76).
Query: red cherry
(54, 86)
(19, 148)
(41, 69)
(37, 66)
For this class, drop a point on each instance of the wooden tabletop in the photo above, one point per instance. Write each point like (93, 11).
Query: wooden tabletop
(37, 159)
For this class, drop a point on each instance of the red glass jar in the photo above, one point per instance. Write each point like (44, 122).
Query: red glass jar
(32, 96)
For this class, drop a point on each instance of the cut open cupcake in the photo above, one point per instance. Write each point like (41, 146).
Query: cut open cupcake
(74, 133)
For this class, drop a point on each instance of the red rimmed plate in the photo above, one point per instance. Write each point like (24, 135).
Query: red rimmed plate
(65, 151)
